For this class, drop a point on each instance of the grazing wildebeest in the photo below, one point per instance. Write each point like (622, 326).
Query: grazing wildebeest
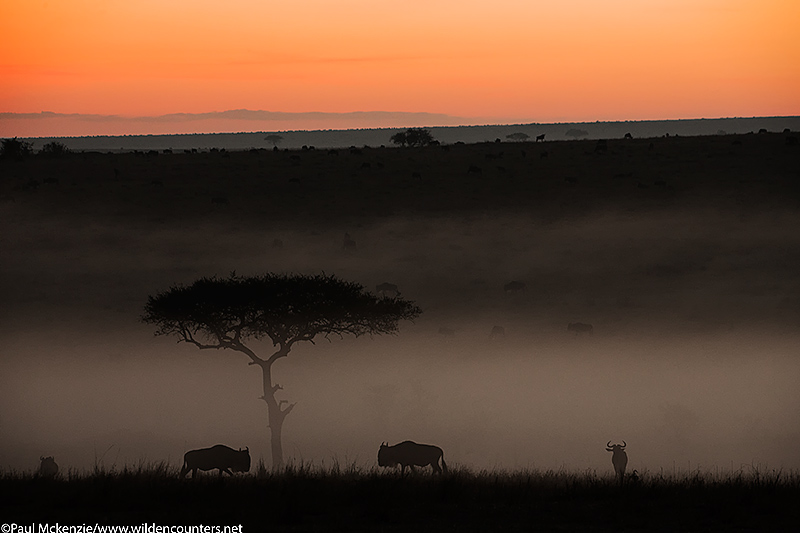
(619, 458)
(628, 136)
(540, 137)
(447, 332)
(497, 332)
(221, 457)
(348, 245)
(513, 287)
(580, 327)
(385, 289)
(411, 454)
(48, 467)
(474, 170)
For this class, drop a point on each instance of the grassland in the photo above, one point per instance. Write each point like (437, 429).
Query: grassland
(72, 226)
(550, 181)
(308, 498)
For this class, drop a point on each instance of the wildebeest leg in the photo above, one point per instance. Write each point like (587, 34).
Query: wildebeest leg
(435, 466)
(194, 473)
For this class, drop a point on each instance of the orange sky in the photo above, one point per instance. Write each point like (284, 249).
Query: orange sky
(517, 60)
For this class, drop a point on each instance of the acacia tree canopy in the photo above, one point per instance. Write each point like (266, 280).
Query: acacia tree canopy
(413, 137)
(221, 312)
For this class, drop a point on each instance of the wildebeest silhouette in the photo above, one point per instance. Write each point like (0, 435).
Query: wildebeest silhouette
(48, 467)
(513, 287)
(348, 244)
(386, 289)
(497, 332)
(411, 454)
(580, 327)
(221, 457)
(618, 458)
(447, 332)
(540, 138)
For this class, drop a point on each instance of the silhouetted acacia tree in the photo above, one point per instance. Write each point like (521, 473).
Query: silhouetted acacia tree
(413, 137)
(575, 132)
(519, 136)
(274, 139)
(235, 312)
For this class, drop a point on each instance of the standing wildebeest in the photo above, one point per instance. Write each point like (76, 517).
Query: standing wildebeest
(348, 245)
(221, 457)
(498, 332)
(540, 137)
(513, 287)
(48, 467)
(619, 458)
(579, 327)
(386, 288)
(411, 454)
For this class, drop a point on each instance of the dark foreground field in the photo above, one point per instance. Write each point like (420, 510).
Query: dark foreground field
(682, 253)
(312, 499)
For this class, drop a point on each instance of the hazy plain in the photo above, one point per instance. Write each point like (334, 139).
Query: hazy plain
(691, 285)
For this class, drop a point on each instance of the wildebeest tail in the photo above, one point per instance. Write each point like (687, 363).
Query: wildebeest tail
(444, 465)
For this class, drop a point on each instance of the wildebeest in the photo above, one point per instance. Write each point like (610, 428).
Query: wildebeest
(48, 467)
(221, 457)
(411, 454)
(348, 244)
(628, 136)
(619, 458)
(385, 289)
(540, 138)
(498, 332)
(513, 287)
(447, 332)
(580, 327)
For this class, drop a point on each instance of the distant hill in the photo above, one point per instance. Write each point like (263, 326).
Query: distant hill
(445, 134)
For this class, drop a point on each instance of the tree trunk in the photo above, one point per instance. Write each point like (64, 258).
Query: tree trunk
(276, 414)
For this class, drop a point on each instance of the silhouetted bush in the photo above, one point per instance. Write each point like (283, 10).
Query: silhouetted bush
(55, 149)
(15, 149)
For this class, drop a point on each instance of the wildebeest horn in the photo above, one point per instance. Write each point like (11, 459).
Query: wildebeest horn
(623, 444)
(608, 445)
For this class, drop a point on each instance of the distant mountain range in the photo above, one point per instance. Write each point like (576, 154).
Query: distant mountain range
(48, 124)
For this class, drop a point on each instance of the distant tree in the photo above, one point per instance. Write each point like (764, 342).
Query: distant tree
(55, 149)
(235, 312)
(413, 137)
(519, 136)
(274, 139)
(15, 149)
(574, 132)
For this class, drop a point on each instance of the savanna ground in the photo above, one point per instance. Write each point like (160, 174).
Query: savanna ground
(307, 498)
(656, 242)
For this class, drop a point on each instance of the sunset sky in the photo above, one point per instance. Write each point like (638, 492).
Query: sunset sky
(510, 60)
